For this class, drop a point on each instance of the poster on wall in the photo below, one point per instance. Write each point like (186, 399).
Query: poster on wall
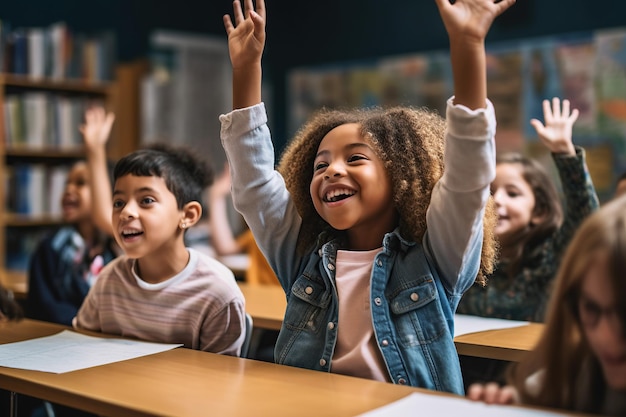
(589, 69)
(611, 93)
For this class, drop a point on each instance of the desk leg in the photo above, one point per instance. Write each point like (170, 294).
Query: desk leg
(13, 406)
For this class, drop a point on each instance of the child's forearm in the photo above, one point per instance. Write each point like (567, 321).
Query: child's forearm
(247, 86)
(100, 186)
(469, 73)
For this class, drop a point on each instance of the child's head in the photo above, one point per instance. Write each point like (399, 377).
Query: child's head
(526, 200)
(76, 198)
(593, 285)
(402, 146)
(585, 334)
(157, 196)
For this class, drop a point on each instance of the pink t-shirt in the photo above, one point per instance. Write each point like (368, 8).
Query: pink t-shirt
(356, 352)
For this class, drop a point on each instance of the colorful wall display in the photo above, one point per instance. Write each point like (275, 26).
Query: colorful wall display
(589, 69)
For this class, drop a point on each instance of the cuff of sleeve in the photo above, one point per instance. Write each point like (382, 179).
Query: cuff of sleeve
(570, 162)
(238, 122)
(465, 123)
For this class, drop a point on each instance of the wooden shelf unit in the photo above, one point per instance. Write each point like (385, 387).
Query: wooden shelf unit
(49, 155)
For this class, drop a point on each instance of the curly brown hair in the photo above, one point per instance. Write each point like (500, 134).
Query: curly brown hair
(409, 141)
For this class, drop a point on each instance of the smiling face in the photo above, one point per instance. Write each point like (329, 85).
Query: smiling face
(601, 324)
(76, 198)
(351, 189)
(146, 217)
(514, 200)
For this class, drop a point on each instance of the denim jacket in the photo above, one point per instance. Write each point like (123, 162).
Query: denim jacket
(415, 287)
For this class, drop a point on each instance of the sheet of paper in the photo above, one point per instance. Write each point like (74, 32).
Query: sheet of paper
(464, 324)
(69, 351)
(444, 406)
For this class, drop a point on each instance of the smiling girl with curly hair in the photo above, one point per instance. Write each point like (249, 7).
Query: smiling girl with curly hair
(372, 240)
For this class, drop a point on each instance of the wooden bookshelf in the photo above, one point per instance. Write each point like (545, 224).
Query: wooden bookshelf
(42, 154)
(60, 85)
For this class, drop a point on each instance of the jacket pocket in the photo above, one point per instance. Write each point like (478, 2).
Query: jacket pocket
(418, 316)
(307, 306)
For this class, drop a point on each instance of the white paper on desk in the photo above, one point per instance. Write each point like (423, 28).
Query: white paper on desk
(464, 324)
(69, 351)
(444, 406)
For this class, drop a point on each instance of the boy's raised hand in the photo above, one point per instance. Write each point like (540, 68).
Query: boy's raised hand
(471, 18)
(97, 127)
(246, 37)
(556, 135)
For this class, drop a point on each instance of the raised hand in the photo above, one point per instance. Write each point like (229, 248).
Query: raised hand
(97, 127)
(246, 37)
(96, 131)
(556, 134)
(470, 19)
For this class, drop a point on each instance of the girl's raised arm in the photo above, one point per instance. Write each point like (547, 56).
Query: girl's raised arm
(467, 23)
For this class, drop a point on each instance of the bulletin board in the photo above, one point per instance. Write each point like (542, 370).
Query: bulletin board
(589, 69)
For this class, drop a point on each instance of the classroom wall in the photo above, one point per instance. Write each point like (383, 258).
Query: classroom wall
(322, 31)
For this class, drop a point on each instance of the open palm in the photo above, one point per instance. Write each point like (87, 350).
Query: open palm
(246, 36)
(471, 18)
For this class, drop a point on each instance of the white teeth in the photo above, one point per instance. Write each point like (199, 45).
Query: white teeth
(333, 194)
(130, 232)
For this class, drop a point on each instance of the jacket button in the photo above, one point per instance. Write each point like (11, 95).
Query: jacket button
(323, 362)
(377, 301)
(415, 296)
(402, 381)
(308, 290)
(379, 263)
(385, 342)
(331, 325)
(331, 267)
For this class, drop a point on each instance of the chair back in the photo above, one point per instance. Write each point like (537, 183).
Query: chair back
(245, 348)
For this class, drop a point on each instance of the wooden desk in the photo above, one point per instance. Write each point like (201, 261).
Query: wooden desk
(266, 304)
(503, 344)
(190, 383)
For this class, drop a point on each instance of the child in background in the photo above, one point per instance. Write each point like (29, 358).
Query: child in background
(531, 229)
(259, 271)
(66, 263)
(579, 363)
(160, 290)
(370, 293)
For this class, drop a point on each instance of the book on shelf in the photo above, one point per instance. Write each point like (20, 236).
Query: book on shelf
(35, 190)
(42, 120)
(36, 134)
(57, 175)
(37, 51)
(56, 52)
